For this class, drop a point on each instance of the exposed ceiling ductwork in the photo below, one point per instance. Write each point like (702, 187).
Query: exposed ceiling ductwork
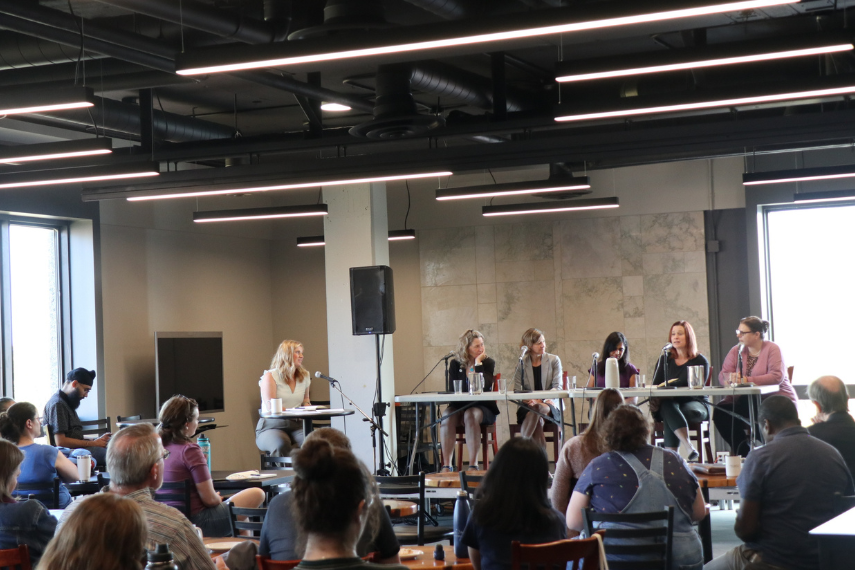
(452, 9)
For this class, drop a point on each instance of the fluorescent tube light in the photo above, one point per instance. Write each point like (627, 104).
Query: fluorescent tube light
(398, 235)
(45, 100)
(259, 213)
(550, 207)
(798, 175)
(515, 188)
(334, 107)
(711, 104)
(75, 175)
(727, 54)
(187, 63)
(311, 184)
(817, 197)
(55, 150)
(310, 241)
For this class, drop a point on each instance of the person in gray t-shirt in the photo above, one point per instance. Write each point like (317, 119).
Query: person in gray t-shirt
(61, 415)
(788, 487)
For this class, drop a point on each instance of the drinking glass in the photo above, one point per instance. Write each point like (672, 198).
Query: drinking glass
(458, 386)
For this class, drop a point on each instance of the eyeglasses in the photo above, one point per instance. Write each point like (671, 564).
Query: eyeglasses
(166, 454)
(740, 333)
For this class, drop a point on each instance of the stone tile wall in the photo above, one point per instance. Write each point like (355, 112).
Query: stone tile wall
(577, 280)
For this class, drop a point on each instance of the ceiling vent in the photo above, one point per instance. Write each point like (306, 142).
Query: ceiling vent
(346, 16)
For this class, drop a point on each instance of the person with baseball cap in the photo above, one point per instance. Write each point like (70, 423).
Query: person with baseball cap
(61, 415)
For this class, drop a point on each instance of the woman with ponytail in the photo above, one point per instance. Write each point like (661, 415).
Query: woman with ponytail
(21, 425)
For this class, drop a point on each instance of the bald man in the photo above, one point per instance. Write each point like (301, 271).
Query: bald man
(833, 424)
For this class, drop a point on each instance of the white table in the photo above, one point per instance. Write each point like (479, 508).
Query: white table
(307, 416)
(434, 398)
(656, 392)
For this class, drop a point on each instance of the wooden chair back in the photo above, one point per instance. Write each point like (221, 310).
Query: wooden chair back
(47, 493)
(253, 519)
(176, 491)
(16, 558)
(581, 554)
(644, 536)
(265, 563)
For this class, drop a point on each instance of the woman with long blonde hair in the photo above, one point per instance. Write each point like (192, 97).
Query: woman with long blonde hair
(106, 532)
(288, 380)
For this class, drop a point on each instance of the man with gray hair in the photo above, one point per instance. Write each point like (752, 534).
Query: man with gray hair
(135, 462)
(833, 424)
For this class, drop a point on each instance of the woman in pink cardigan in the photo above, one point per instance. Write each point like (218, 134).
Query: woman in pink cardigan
(763, 365)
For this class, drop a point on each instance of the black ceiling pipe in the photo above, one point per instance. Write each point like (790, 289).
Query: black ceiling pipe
(202, 17)
(125, 118)
(451, 9)
(448, 81)
(17, 51)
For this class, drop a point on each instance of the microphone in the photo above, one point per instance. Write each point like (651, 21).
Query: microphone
(523, 351)
(327, 378)
(447, 356)
(741, 348)
(668, 346)
(595, 356)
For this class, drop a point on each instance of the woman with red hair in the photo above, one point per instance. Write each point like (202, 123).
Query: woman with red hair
(676, 413)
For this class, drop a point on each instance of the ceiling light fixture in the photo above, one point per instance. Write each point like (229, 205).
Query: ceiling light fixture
(708, 56)
(798, 175)
(45, 100)
(515, 188)
(399, 235)
(310, 241)
(75, 175)
(292, 186)
(259, 213)
(818, 197)
(637, 108)
(550, 207)
(55, 150)
(334, 107)
(398, 41)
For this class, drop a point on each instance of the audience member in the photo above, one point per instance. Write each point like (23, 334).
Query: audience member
(135, 463)
(24, 522)
(179, 418)
(6, 403)
(470, 356)
(580, 450)
(788, 487)
(279, 537)
(676, 413)
(290, 382)
(61, 415)
(106, 532)
(512, 504)
(635, 477)
(332, 495)
(20, 424)
(538, 370)
(832, 423)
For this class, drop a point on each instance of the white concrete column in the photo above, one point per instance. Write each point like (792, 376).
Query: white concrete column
(356, 232)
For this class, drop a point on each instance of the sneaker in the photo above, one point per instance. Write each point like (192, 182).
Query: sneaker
(693, 456)
(445, 469)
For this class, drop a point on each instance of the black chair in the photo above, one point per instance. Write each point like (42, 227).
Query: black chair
(465, 482)
(176, 491)
(120, 419)
(254, 519)
(90, 427)
(269, 462)
(646, 535)
(47, 493)
(414, 486)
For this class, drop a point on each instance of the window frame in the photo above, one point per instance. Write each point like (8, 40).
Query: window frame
(63, 291)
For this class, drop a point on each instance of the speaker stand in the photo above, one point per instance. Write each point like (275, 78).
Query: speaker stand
(379, 411)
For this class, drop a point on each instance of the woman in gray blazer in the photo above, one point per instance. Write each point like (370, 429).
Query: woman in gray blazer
(539, 370)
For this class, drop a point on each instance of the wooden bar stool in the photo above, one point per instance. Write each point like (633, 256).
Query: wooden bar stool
(550, 432)
(488, 440)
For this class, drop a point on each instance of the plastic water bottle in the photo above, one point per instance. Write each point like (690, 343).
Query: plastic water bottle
(160, 559)
(205, 445)
(461, 516)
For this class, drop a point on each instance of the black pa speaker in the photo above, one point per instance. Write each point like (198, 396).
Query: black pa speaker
(372, 300)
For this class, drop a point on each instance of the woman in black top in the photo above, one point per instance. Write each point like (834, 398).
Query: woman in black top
(471, 356)
(676, 413)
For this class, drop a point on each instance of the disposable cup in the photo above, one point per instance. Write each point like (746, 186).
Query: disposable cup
(733, 466)
(84, 467)
(276, 405)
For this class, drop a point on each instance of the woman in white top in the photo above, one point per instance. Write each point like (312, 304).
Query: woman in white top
(288, 380)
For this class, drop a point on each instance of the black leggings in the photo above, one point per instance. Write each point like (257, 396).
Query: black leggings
(732, 429)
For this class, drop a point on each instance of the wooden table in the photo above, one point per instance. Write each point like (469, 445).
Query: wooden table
(268, 484)
(426, 560)
(398, 509)
(211, 543)
(446, 485)
(708, 482)
(836, 540)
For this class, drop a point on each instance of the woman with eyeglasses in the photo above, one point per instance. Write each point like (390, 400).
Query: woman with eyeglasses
(761, 364)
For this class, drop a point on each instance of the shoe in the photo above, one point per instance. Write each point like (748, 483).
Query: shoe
(693, 456)
(476, 467)
(445, 469)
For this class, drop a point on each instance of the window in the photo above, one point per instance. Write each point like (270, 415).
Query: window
(32, 311)
(809, 277)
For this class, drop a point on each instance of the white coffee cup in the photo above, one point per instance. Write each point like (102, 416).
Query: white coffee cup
(733, 466)
(276, 405)
(84, 467)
